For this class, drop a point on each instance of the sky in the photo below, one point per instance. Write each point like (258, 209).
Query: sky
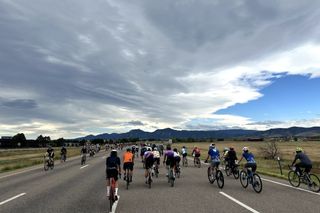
(76, 67)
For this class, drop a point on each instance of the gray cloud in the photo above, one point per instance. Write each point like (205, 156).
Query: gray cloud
(105, 61)
(134, 123)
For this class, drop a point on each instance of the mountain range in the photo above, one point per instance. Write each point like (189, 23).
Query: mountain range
(162, 134)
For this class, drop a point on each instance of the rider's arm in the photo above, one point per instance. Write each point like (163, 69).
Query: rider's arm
(295, 159)
(240, 159)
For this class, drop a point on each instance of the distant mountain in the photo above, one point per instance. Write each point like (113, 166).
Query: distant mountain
(231, 133)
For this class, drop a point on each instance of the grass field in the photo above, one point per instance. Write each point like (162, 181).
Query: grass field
(265, 166)
(12, 159)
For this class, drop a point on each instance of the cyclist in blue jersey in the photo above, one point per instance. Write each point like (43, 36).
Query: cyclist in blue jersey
(214, 155)
(251, 163)
(113, 169)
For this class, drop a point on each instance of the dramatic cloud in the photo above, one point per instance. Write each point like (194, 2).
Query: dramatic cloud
(75, 67)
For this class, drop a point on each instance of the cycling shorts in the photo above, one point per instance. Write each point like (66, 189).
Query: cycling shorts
(177, 160)
(215, 163)
(170, 162)
(128, 165)
(149, 163)
(197, 155)
(184, 155)
(157, 161)
(112, 173)
(253, 166)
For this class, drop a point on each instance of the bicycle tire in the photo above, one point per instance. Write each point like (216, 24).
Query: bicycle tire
(210, 176)
(220, 179)
(111, 198)
(228, 170)
(294, 179)
(315, 183)
(236, 173)
(199, 163)
(127, 179)
(171, 179)
(256, 183)
(45, 167)
(244, 179)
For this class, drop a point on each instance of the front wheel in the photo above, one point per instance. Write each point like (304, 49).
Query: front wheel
(314, 184)
(244, 179)
(294, 179)
(46, 167)
(235, 172)
(220, 179)
(256, 183)
(228, 170)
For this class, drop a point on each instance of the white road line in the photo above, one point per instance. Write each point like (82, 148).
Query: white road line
(114, 206)
(15, 197)
(283, 184)
(238, 202)
(84, 166)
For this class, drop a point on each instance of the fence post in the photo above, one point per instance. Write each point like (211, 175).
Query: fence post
(278, 159)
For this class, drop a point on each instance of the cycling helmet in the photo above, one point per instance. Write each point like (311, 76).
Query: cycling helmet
(183, 147)
(149, 149)
(155, 148)
(114, 150)
(226, 149)
(212, 146)
(231, 148)
(299, 149)
(128, 149)
(175, 150)
(245, 149)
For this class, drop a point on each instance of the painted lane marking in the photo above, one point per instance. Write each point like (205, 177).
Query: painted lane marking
(10, 199)
(283, 184)
(238, 202)
(115, 204)
(84, 166)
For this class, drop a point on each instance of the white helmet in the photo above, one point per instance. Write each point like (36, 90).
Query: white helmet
(245, 149)
(149, 148)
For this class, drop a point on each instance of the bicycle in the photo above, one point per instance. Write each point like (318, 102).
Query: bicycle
(215, 174)
(197, 162)
(48, 163)
(234, 170)
(156, 170)
(112, 196)
(311, 180)
(171, 177)
(185, 162)
(127, 178)
(83, 159)
(252, 178)
(63, 158)
(177, 171)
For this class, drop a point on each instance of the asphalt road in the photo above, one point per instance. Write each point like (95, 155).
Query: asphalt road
(72, 188)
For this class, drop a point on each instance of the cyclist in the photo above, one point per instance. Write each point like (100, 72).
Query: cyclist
(305, 162)
(251, 163)
(225, 155)
(148, 161)
(133, 150)
(128, 162)
(142, 151)
(169, 159)
(50, 155)
(214, 155)
(184, 152)
(177, 157)
(113, 169)
(196, 153)
(232, 157)
(63, 153)
(156, 157)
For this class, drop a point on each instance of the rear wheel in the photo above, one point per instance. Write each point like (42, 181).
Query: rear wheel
(244, 179)
(210, 175)
(294, 179)
(171, 178)
(111, 198)
(220, 179)
(314, 184)
(256, 183)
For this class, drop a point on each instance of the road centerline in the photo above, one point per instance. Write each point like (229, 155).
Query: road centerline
(12, 198)
(114, 206)
(239, 203)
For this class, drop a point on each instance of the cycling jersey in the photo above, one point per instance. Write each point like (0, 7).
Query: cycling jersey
(196, 151)
(112, 162)
(184, 151)
(232, 155)
(304, 159)
(214, 154)
(249, 157)
(127, 157)
(169, 153)
(156, 154)
(148, 154)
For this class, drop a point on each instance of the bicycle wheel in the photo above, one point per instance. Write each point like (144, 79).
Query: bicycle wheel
(111, 198)
(220, 179)
(149, 181)
(294, 179)
(210, 175)
(127, 179)
(314, 184)
(45, 167)
(227, 170)
(256, 183)
(156, 172)
(244, 179)
(199, 163)
(171, 179)
(235, 172)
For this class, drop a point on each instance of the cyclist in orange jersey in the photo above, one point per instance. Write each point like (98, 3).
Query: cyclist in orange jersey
(128, 162)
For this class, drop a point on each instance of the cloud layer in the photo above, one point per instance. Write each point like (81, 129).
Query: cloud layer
(75, 67)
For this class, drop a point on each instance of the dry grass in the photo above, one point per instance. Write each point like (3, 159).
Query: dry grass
(12, 159)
